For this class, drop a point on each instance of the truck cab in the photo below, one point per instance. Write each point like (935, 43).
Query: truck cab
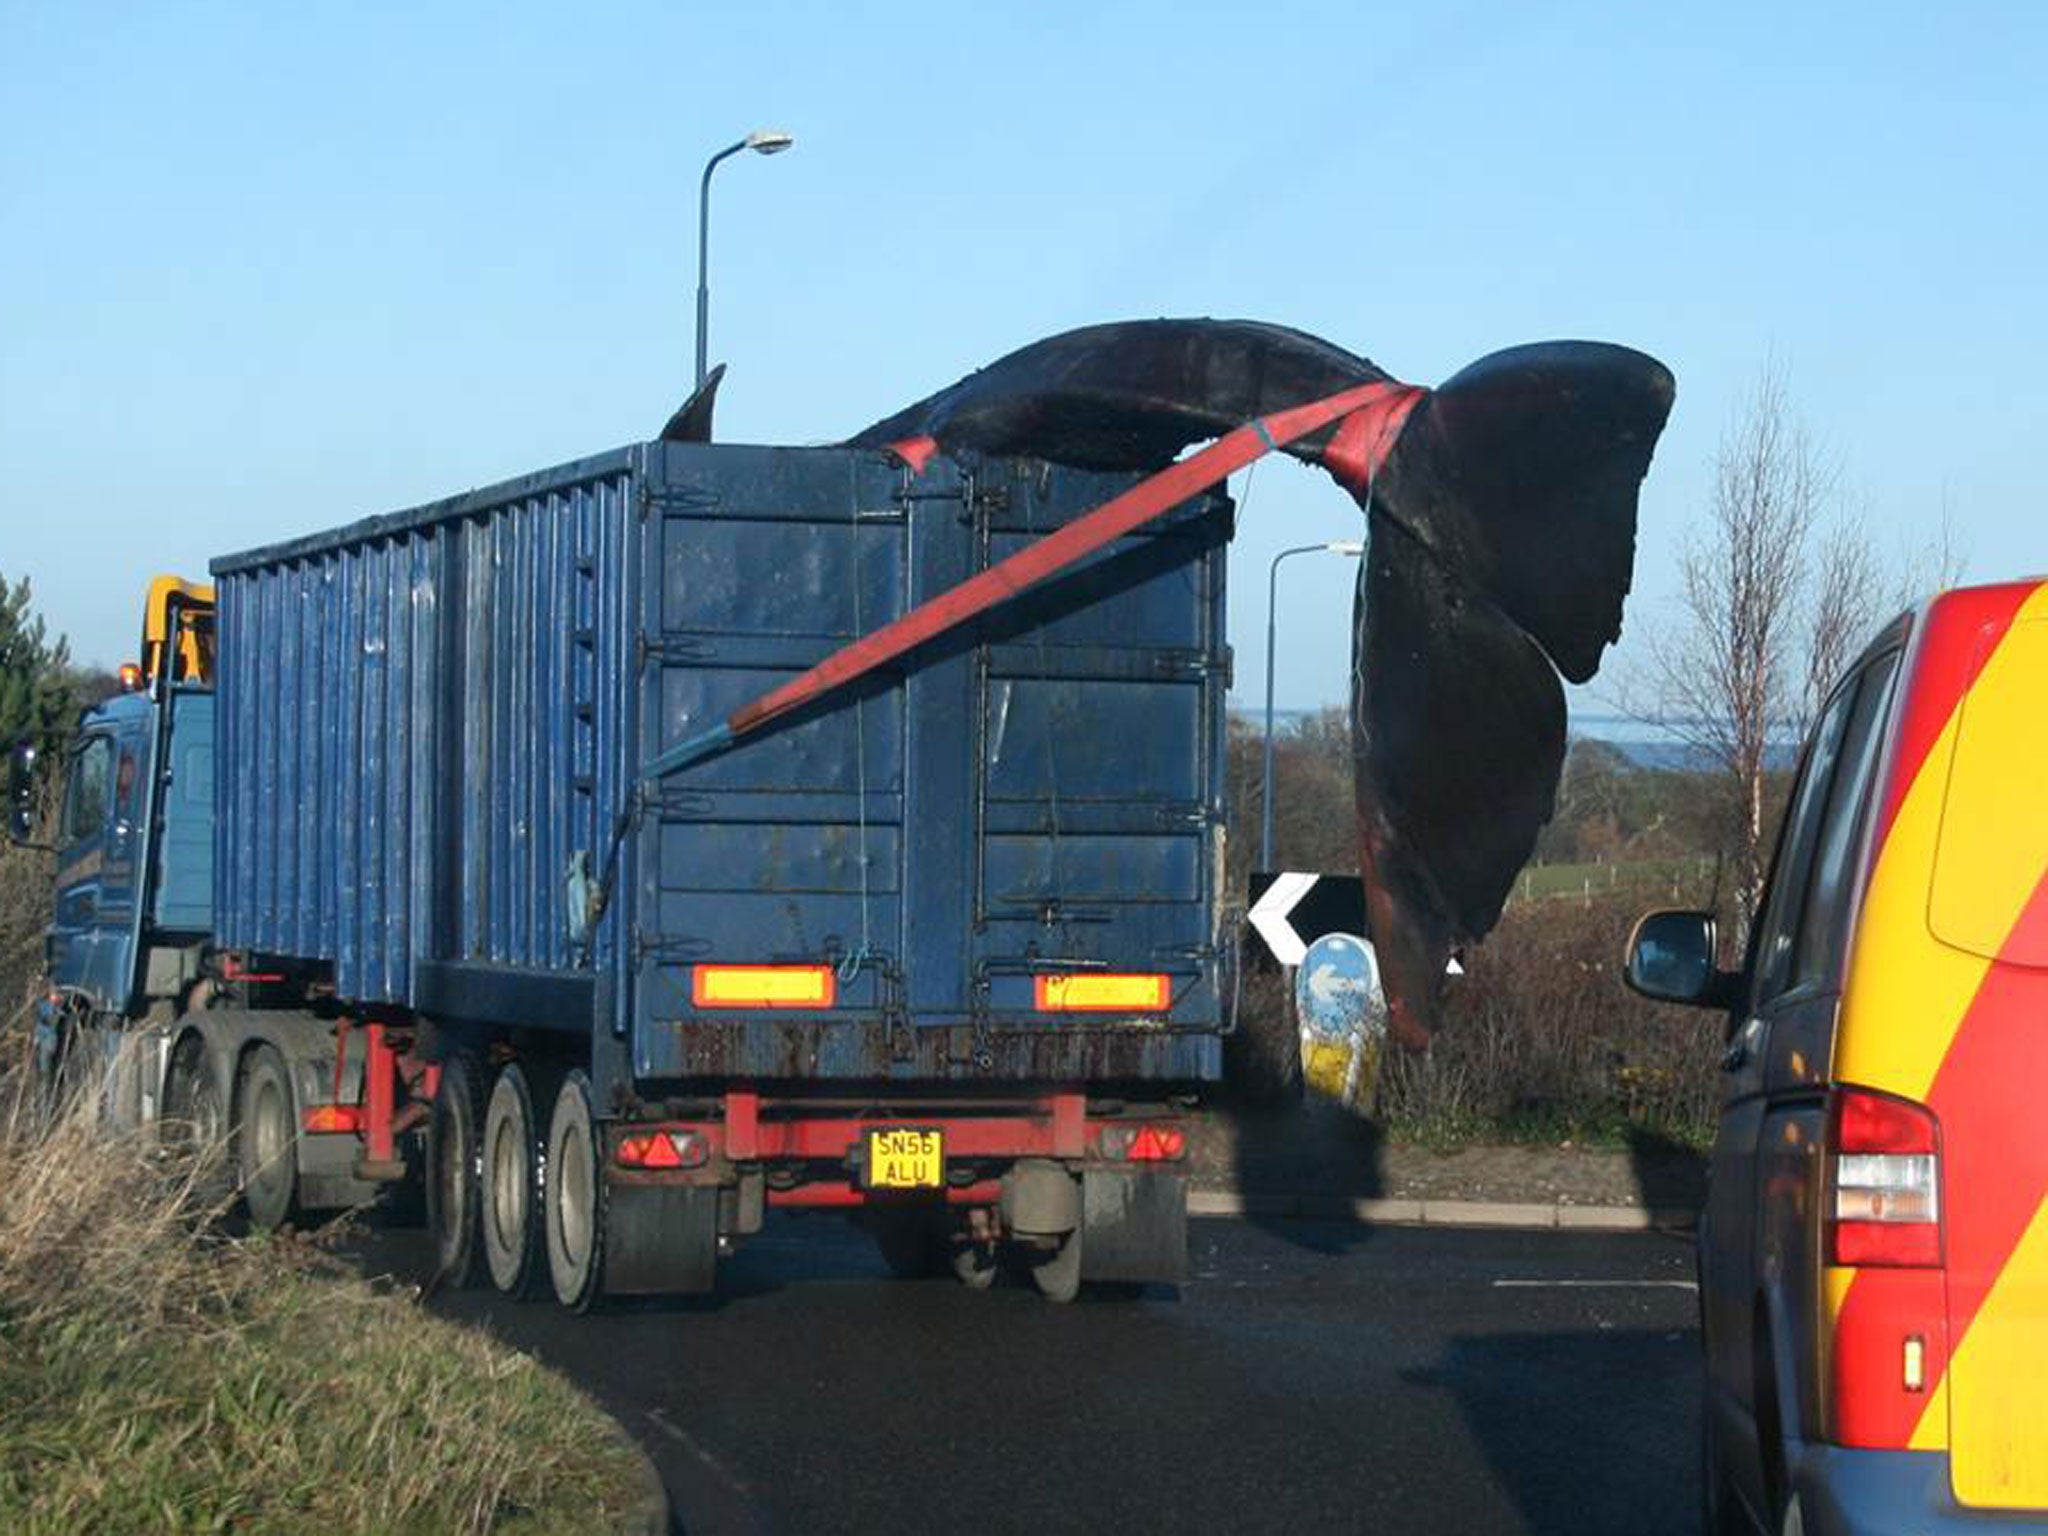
(132, 839)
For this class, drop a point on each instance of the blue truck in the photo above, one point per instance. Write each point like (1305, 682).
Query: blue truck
(368, 878)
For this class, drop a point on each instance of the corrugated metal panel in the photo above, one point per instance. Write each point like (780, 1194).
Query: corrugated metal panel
(427, 720)
(421, 722)
(1040, 789)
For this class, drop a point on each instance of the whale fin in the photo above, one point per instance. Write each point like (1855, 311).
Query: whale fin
(692, 420)
(1501, 542)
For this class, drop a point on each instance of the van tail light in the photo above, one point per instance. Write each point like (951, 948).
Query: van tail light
(1884, 1182)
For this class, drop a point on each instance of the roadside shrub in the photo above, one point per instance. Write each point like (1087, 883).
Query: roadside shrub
(1541, 1039)
(24, 914)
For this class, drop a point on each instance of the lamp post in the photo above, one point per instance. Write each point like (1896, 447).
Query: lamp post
(1349, 548)
(762, 141)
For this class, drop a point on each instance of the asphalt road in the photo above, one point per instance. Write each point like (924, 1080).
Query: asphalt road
(1312, 1377)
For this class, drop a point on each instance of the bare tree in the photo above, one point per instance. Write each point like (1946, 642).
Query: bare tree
(1729, 676)
(1934, 563)
(1847, 602)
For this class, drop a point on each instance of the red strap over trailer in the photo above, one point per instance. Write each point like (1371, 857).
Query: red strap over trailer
(1372, 417)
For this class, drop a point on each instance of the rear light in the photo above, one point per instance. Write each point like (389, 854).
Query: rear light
(331, 1119)
(1158, 1146)
(1884, 1182)
(1100, 991)
(1143, 1143)
(763, 986)
(663, 1149)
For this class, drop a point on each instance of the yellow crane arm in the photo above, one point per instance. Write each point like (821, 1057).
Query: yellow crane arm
(177, 622)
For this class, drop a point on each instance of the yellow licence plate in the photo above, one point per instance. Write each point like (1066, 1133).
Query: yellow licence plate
(900, 1158)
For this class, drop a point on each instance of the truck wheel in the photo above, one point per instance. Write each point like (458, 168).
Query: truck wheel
(511, 1190)
(454, 1153)
(267, 1139)
(573, 1198)
(1058, 1277)
(197, 1128)
(974, 1265)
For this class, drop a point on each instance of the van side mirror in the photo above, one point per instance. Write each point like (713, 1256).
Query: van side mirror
(1671, 958)
(21, 792)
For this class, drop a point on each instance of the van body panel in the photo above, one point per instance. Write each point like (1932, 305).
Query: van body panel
(1994, 825)
(1941, 1007)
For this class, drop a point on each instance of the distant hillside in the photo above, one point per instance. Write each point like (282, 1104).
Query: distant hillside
(1652, 748)
(1641, 745)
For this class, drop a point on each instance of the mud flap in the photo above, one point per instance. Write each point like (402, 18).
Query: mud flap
(660, 1240)
(1134, 1227)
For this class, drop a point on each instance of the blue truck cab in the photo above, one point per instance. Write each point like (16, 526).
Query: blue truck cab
(378, 878)
(135, 846)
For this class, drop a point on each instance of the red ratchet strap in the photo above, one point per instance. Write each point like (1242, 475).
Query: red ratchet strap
(1370, 415)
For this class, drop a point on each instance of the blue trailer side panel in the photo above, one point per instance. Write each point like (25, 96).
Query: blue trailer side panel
(422, 723)
(431, 725)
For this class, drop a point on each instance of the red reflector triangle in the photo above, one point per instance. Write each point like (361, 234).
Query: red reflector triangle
(661, 1153)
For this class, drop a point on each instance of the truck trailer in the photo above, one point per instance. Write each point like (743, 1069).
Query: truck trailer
(623, 850)
(367, 877)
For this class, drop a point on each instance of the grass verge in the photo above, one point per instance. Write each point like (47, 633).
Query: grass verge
(155, 1378)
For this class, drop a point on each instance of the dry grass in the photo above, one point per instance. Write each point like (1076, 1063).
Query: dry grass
(1541, 1040)
(24, 914)
(155, 1378)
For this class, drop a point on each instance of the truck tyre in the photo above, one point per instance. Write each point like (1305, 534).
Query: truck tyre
(511, 1190)
(267, 1138)
(974, 1265)
(454, 1156)
(197, 1130)
(573, 1198)
(1058, 1277)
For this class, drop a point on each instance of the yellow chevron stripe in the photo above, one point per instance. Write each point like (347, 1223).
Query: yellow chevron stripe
(1906, 994)
(1994, 835)
(1931, 1433)
(1999, 1454)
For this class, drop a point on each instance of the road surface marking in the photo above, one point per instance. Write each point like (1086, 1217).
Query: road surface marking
(711, 1464)
(1589, 1285)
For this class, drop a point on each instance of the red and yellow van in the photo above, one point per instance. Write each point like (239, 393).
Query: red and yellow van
(1874, 1250)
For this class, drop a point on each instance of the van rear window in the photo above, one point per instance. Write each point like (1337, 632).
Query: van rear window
(1993, 848)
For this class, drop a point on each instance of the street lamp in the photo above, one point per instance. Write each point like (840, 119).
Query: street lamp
(762, 141)
(1351, 549)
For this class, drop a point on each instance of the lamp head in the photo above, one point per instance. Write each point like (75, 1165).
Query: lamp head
(769, 141)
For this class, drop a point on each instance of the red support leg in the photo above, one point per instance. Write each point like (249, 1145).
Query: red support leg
(380, 1158)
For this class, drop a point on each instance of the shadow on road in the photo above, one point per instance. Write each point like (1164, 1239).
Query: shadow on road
(1306, 1149)
(1628, 1469)
(1671, 1176)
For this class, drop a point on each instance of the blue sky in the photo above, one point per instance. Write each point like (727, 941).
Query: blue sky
(264, 269)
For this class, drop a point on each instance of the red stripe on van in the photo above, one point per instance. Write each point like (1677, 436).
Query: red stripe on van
(1994, 1157)
(1960, 630)
(1987, 1096)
